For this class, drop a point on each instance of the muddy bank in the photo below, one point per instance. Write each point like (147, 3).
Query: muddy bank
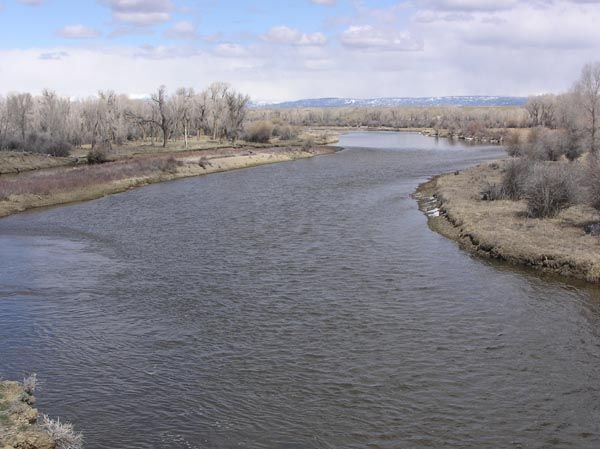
(501, 229)
(73, 184)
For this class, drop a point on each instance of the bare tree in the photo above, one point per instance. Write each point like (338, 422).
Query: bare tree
(19, 108)
(587, 91)
(216, 96)
(165, 116)
(3, 122)
(200, 111)
(53, 113)
(236, 106)
(183, 105)
(160, 115)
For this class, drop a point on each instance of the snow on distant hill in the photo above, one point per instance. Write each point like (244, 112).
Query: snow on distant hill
(396, 101)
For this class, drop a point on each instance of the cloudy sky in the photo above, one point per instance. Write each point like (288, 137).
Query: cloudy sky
(279, 50)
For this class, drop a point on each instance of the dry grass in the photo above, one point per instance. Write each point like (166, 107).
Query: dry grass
(18, 420)
(14, 162)
(502, 229)
(80, 177)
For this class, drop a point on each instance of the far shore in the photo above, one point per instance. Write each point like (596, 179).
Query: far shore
(29, 181)
(501, 230)
(58, 184)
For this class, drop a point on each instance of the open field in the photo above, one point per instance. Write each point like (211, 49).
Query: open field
(501, 229)
(16, 162)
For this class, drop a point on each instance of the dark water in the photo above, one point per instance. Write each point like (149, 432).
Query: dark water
(297, 305)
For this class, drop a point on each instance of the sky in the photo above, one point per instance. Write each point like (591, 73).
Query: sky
(285, 50)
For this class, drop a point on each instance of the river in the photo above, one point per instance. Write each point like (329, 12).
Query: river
(295, 305)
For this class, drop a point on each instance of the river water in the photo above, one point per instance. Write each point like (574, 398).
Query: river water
(295, 305)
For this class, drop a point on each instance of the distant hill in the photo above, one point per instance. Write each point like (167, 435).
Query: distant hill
(396, 101)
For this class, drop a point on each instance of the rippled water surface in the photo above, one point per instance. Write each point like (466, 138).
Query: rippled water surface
(296, 305)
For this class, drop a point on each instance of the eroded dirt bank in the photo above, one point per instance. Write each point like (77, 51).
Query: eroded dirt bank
(501, 229)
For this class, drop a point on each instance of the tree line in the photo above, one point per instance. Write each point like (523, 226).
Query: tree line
(49, 123)
(556, 164)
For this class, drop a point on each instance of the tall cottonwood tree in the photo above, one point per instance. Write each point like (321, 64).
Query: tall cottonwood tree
(19, 110)
(164, 114)
(236, 107)
(183, 110)
(587, 91)
(217, 93)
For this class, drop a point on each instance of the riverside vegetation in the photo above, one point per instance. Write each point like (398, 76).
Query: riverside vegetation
(55, 150)
(21, 427)
(540, 207)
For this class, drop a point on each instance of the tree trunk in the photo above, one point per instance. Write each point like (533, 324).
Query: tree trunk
(594, 146)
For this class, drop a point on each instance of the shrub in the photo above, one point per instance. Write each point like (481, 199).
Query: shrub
(62, 434)
(259, 132)
(42, 144)
(513, 144)
(97, 156)
(572, 144)
(169, 165)
(14, 145)
(204, 162)
(59, 149)
(30, 383)
(515, 177)
(492, 192)
(285, 132)
(549, 190)
(593, 181)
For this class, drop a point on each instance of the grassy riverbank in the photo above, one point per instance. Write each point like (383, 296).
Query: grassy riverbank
(67, 184)
(20, 423)
(502, 229)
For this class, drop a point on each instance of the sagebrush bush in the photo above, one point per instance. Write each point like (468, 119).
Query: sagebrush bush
(572, 143)
(308, 143)
(62, 434)
(550, 189)
(514, 179)
(59, 149)
(169, 165)
(30, 383)
(285, 132)
(513, 145)
(259, 132)
(14, 145)
(592, 181)
(42, 144)
(492, 192)
(204, 162)
(97, 156)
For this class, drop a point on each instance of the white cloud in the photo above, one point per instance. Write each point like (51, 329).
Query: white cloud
(323, 2)
(458, 48)
(366, 36)
(53, 56)
(140, 13)
(31, 2)
(78, 32)
(290, 36)
(182, 30)
(468, 5)
(230, 50)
